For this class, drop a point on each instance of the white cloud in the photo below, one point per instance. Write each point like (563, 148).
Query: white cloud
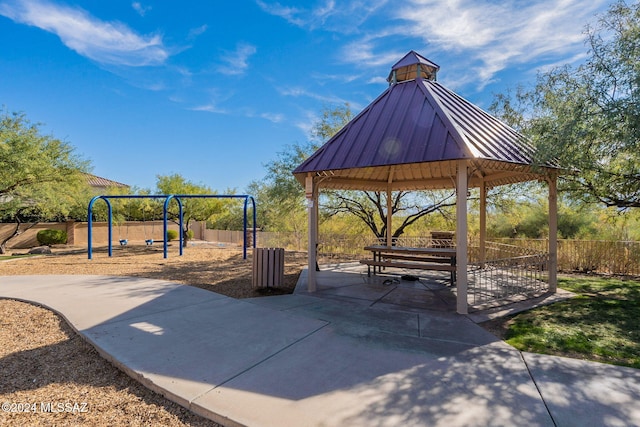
(456, 24)
(209, 108)
(363, 52)
(273, 117)
(377, 80)
(325, 10)
(306, 123)
(500, 35)
(236, 62)
(104, 42)
(301, 92)
(287, 13)
(138, 7)
(327, 15)
(485, 36)
(195, 32)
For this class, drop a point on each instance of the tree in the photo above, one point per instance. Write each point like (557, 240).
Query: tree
(194, 209)
(40, 176)
(231, 214)
(530, 219)
(281, 197)
(587, 118)
(371, 208)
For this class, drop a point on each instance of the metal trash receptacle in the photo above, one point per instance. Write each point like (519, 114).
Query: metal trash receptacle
(268, 267)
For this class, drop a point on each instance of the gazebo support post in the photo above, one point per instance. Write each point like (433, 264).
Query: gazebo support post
(461, 237)
(311, 191)
(389, 219)
(389, 209)
(553, 235)
(483, 222)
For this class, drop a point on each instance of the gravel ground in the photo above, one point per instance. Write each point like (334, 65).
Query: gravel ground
(55, 378)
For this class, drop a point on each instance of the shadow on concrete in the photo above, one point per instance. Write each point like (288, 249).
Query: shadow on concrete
(347, 355)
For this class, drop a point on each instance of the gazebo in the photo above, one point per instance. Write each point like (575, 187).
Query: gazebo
(419, 135)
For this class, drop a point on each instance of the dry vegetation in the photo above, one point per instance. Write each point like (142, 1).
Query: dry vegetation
(43, 360)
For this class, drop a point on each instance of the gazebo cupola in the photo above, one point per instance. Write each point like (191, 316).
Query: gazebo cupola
(413, 66)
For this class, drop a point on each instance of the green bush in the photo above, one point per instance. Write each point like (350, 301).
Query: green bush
(172, 235)
(190, 235)
(51, 237)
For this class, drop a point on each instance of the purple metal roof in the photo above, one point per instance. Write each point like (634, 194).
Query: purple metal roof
(413, 127)
(412, 58)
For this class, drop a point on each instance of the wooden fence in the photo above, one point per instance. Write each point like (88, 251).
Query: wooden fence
(590, 256)
(585, 256)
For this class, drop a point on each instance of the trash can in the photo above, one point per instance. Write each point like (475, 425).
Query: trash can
(268, 267)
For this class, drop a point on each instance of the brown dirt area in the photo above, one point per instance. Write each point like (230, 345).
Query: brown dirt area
(43, 360)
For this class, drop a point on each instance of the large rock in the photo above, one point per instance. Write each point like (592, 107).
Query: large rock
(40, 250)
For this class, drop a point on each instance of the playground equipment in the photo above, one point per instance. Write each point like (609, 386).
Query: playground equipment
(147, 241)
(124, 240)
(167, 199)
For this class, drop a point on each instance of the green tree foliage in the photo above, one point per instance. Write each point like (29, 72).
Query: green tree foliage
(194, 209)
(40, 176)
(231, 215)
(587, 118)
(279, 196)
(529, 218)
(371, 208)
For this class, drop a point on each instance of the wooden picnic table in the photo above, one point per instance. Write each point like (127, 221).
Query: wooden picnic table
(429, 258)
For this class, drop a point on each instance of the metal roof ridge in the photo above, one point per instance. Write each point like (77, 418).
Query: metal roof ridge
(522, 141)
(500, 151)
(459, 134)
(521, 138)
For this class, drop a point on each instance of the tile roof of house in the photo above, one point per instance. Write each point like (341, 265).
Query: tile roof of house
(96, 181)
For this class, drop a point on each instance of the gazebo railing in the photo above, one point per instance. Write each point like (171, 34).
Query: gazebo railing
(418, 242)
(507, 272)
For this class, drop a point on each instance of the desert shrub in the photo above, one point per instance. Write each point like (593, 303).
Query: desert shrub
(51, 237)
(189, 235)
(172, 235)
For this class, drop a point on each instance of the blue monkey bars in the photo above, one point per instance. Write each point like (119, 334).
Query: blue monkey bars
(167, 199)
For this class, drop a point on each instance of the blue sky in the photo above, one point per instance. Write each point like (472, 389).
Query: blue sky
(213, 90)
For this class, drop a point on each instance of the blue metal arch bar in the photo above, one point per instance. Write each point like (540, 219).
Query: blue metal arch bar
(90, 224)
(165, 223)
(110, 217)
(246, 198)
(167, 199)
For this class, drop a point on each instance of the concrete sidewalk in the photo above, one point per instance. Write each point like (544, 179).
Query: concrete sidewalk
(327, 359)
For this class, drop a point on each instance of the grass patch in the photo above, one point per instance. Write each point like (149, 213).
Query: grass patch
(602, 323)
(6, 257)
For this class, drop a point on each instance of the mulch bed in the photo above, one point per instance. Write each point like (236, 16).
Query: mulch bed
(53, 377)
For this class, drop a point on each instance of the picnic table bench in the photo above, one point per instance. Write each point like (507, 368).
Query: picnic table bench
(437, 259)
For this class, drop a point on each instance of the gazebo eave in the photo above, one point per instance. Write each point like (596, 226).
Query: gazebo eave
(428, 176)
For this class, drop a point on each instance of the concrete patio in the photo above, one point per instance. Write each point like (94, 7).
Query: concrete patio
(351, 354)
(428, 290)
